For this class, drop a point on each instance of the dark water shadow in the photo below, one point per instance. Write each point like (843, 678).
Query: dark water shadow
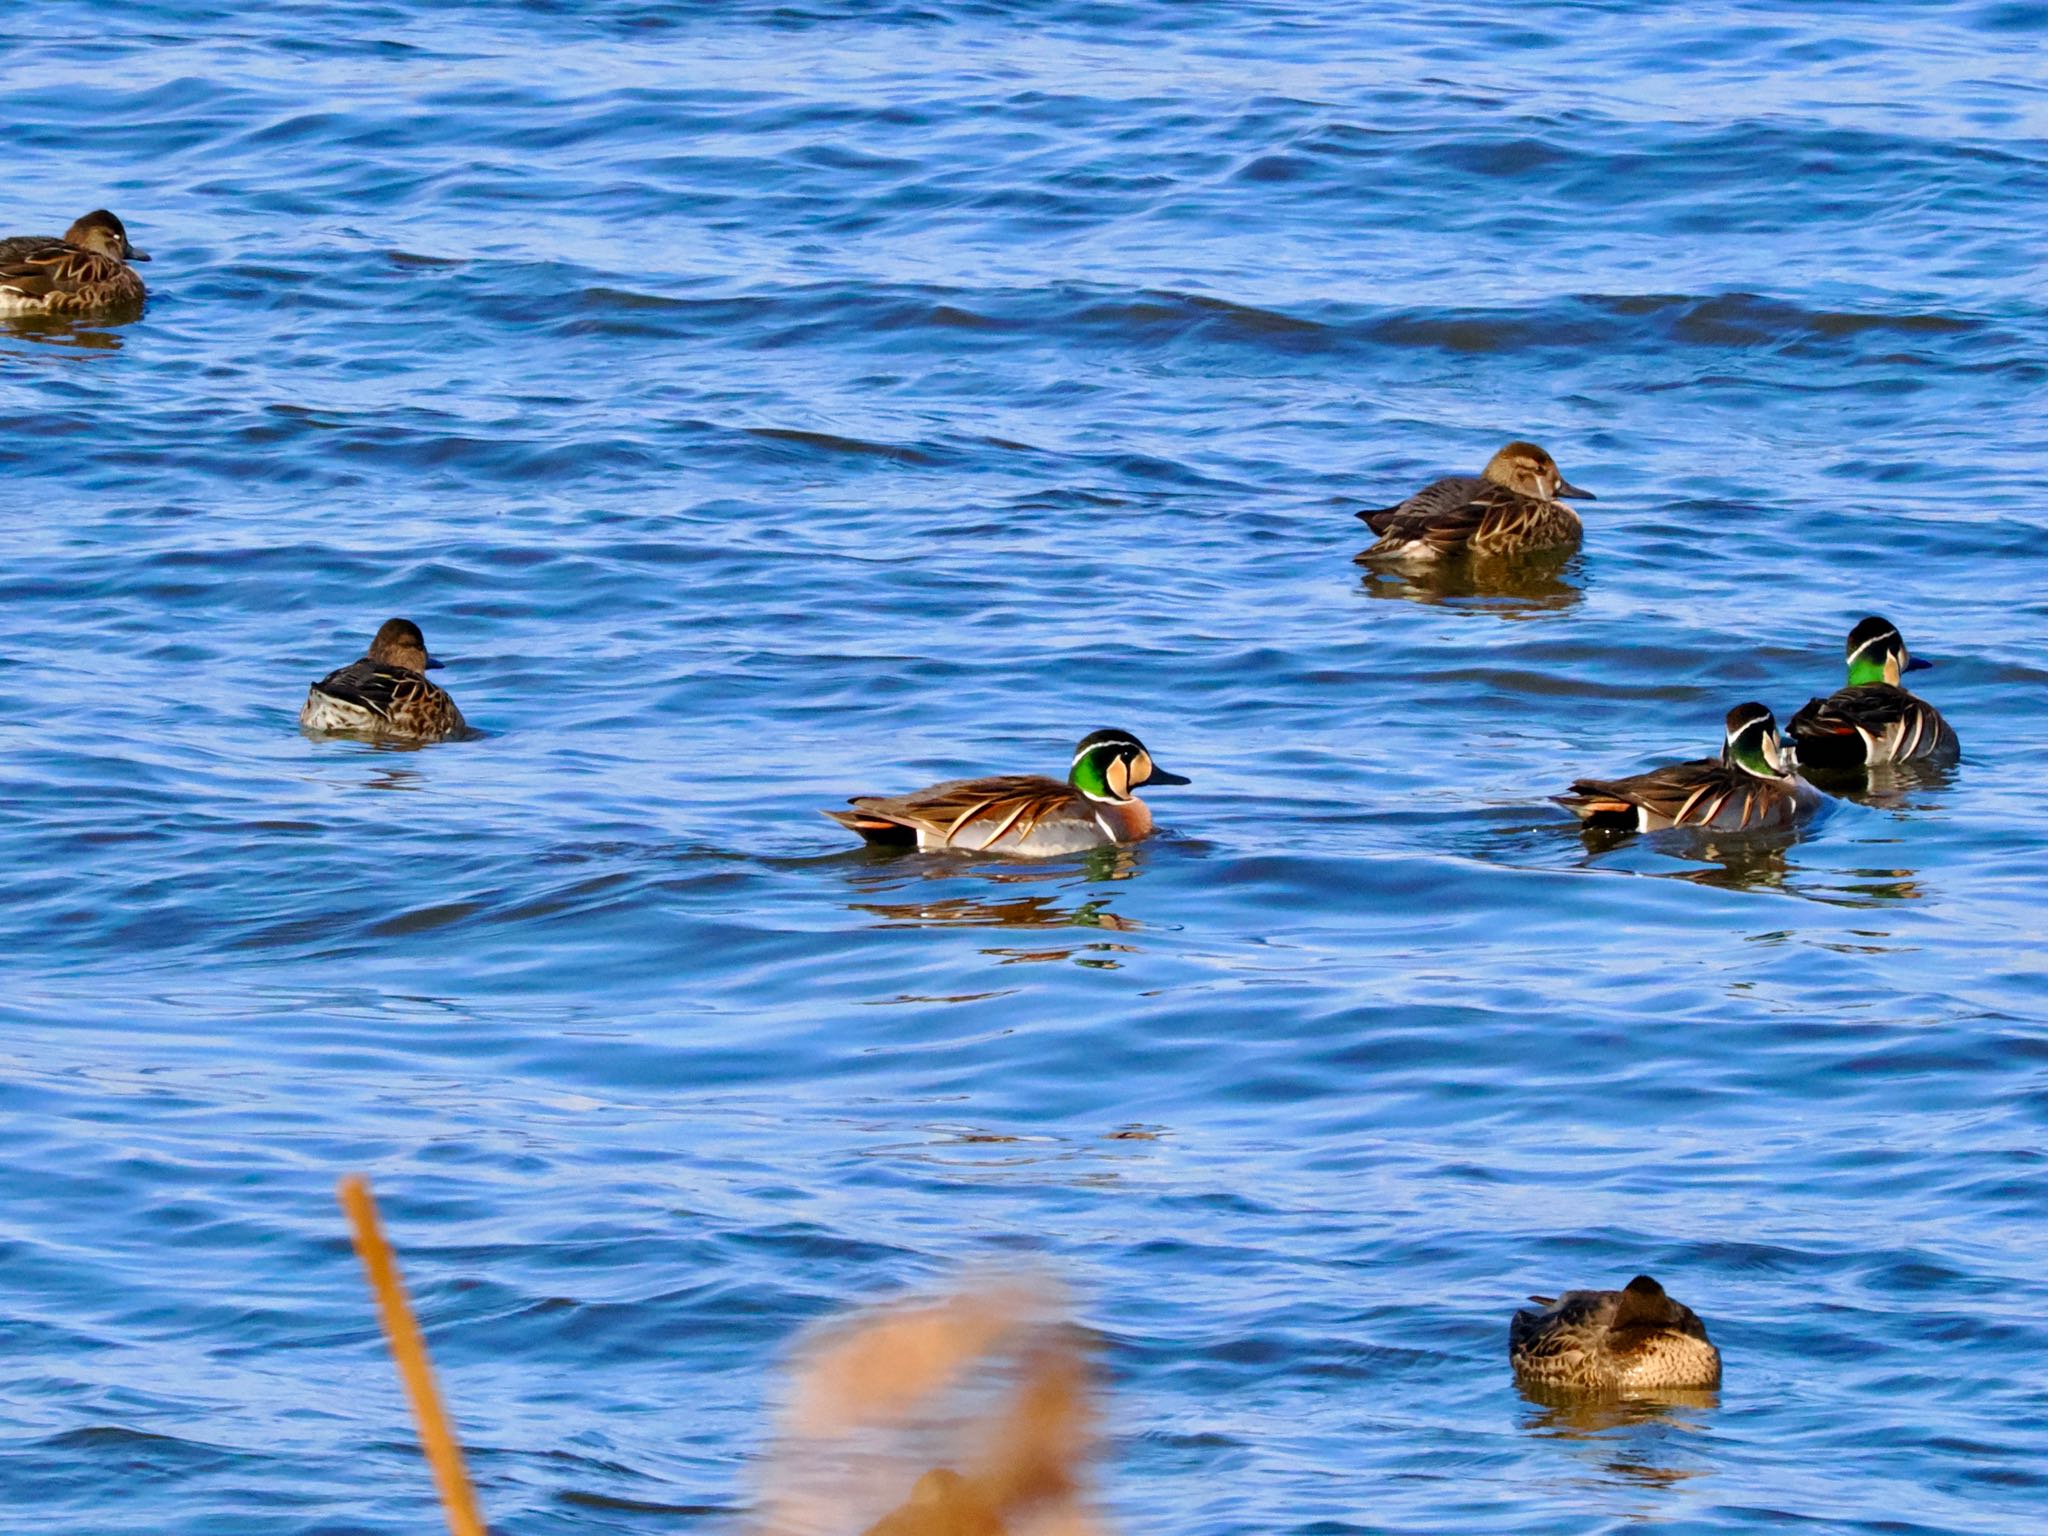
(1520, 587)
(885, 866)
(976, 1152)
(1732, 860)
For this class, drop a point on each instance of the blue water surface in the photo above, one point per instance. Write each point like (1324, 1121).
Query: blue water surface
(761, 404)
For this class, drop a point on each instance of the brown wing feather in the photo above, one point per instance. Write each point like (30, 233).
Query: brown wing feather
(60, 269)
(1692, 794)
(1832, 732)
(1667, 792)
(20, 247)
(1513, 522)
(875, 829)
(1447, 505)
(378, 688)
(963, 812)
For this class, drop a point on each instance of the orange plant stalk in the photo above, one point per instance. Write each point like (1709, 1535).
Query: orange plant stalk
(402, 1333)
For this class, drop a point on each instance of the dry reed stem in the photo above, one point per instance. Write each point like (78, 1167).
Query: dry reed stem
(409, 1350)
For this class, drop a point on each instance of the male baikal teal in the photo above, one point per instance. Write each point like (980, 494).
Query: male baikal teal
(1874, 719)
(1751, 786)
(1023, 814)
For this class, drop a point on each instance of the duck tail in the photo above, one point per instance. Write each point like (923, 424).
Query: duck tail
(1595, 802)
(874, 829)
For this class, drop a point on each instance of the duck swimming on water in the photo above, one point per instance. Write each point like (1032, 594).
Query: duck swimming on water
(386, 693)
(1023, 814)
(1610, 1343)
(1873, 720)
(1752, 785)
(87, 272)
(1514, 506)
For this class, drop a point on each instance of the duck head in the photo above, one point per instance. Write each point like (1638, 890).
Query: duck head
(399, 643)
(100, 231)
(1752, 743)
(1643, 1304)
(1877, 653)
(1527, 470)
(1110, 765)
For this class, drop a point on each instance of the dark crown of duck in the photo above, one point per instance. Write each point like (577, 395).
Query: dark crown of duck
(399, 643)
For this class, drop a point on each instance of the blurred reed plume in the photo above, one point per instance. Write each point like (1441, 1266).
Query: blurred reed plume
(964, 1415)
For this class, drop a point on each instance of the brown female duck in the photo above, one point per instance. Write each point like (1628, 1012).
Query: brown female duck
(1514, 506)
(85, 273)
(1611, 1343)
(386, 693)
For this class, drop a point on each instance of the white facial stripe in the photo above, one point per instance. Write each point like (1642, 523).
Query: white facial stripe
(1885, 639)
(1738, 726)
(1121, 743)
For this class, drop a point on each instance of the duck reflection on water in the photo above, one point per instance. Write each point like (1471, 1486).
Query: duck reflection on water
(1507, 587)
(62, 331)
(1630, 1440)
(997, 896)
(1751, 861)
(1912, 786)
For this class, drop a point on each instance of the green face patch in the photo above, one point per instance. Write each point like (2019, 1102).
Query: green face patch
(1090, 773)
(1746, 751)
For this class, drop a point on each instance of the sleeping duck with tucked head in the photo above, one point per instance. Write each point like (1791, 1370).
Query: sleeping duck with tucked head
(385, 693)
(1515, 506)
(1612, 1343)
(85, 273)
(1023, 814)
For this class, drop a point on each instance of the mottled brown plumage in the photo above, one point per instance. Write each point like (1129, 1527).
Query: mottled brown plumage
(1611, 1343)
(385, 693)
(1512, 507)
(85, 273)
